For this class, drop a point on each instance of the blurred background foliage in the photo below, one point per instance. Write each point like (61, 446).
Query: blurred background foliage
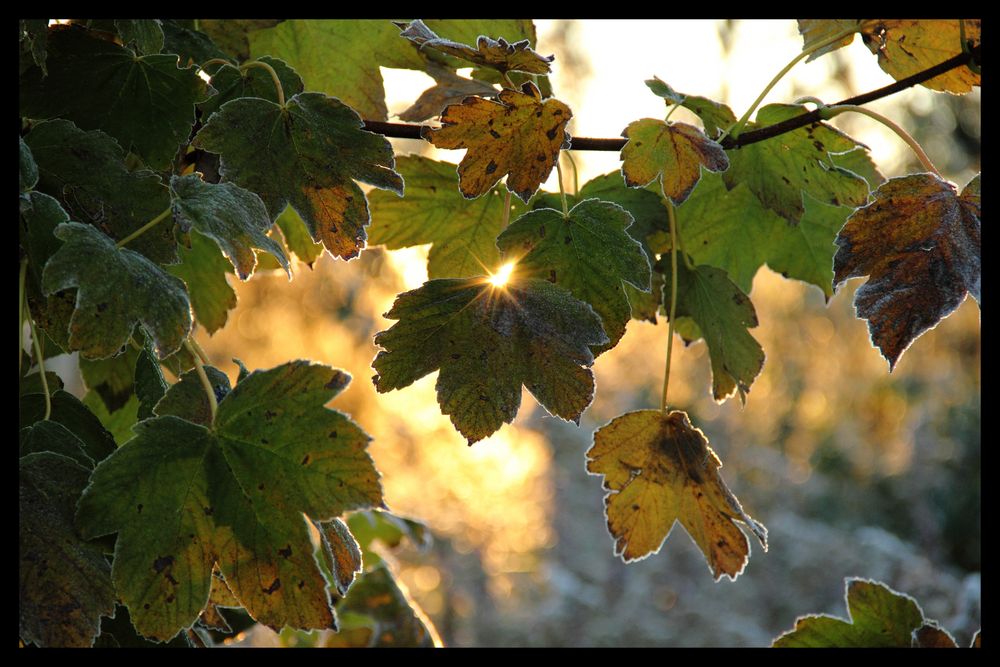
(854, 471)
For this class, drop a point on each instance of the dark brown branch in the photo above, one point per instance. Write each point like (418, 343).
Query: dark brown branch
(406, 131)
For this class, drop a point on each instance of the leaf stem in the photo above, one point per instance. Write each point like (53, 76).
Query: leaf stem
(199, 368)
(562, 190)
(576, 175)
(200, 351)
(735, 130)
(145, 228)
(673, 301)
(214, 61)
(830, 112)
(274, 78)
(508, 83)
(20, 311)
(41, 366)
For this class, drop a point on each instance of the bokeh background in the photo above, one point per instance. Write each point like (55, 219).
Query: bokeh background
(855, 471)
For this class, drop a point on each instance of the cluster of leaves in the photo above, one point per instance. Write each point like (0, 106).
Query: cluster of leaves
(121, 138)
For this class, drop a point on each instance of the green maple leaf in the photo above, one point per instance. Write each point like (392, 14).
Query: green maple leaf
(307, 154)
(780, 169)
(723, 313)
(203, 269)
(297, 237)
(235, 218)
(879, 618)
(488, 341)
(145, 102)
(116, 288)
(463, 232)
(233, 494)
(588, 252)
(86, 172)
(64, 582)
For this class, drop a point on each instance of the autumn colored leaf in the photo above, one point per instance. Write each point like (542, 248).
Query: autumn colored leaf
(308, 154)
(907, 46)
(715, 116)
(488, 341)
(659, 470)
(588, 252)
(723, 314)
(780, 169)
(463, 232)
(343, 554)
(145, 102)
(234, 218)
(235, 494)
(219, 596)
(674, 153)
(116, 289)
(919, 243)
(879, 618)
(498, 54)
(815, 31)
(518, 134)
(64, 582)
(931, 636)
(297, 237)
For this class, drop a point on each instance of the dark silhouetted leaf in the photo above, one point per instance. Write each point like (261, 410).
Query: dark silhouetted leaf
(231, 83)
(143, 35)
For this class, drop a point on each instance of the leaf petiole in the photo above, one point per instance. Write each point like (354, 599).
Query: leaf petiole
(274, 77)
(41, 366)
(576, 175)
(829, 112)
(145, 228)
(199, 368)
(20, 312)
(673, 300)
(562, 190)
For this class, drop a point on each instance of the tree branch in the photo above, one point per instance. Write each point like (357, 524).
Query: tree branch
(406, 131)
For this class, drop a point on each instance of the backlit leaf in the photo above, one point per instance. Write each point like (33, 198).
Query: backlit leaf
(919, 243)
(498, 54)
(116, 288)
(715, 116)
(674, 153)
(111, 378)
(145, 102)
(660, 470)
(397, 621)
(64, 582)
(488, 341)
(307, 154)
(203, 269)
(907, 46)
(780, 169)
(342, 552)
(816, 31)
(296, 235)
(433, 211)
(723, 314)
(232, 35)
(589, 253)
(879, 618)
(183, 497)
(235, 218)
(518, 134)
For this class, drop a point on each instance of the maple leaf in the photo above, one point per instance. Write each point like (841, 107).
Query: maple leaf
(497, 54)
(307, 154)
(233, 494)
(908, 46)
(919, 243)
(116, 288)
(723, 313)
(145, 102)
(715, 116)
(487, 341)
(588, 252)
(519, 135)
(780, 169)
(672, 152)
(463, 232)
(879, 618)
(661, 470)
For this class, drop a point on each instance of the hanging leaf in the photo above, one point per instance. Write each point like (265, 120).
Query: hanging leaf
(519, 135)
(780, 169)
(64, 582)
(907, 46)
(487, 341)
(715, 116)
(463, 232)
(116, 288)
(342, 553)
(919, 243)
(145, 102)
(723, 314)
(589, 253)
(496, 54)
(235, 218)
(51, 436)
(879, 618)
(296, 235)
(307, 154)
(234, 494)
(660, 470)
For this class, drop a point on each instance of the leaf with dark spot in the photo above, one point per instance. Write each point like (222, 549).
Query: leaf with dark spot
(659, 470)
